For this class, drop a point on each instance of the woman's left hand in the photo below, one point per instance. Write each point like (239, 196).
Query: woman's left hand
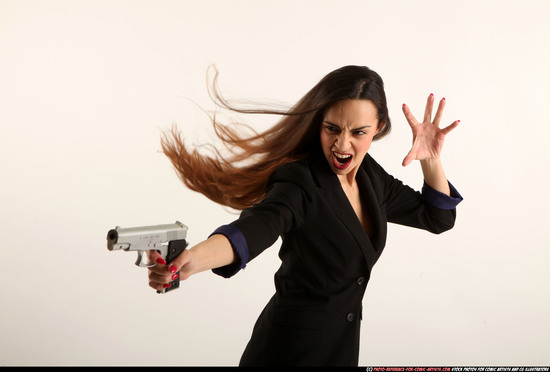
(428, 138)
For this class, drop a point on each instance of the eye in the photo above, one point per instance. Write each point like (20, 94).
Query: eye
(359, 132)
(332, 128)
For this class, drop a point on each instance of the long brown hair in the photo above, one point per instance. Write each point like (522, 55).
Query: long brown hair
(238, 180)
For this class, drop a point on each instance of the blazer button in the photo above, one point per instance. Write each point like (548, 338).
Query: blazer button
(361, 280)
(350, 317)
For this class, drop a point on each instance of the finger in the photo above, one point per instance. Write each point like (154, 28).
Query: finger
(429, 107)
(448, 129)
(154, 256)
(157, 281)
(155, 259)
(183, 264)
(158, 272)
(409, 116)
(408, 159)
(180, 260)
(439, 113)
(159, 278)
(158, 286)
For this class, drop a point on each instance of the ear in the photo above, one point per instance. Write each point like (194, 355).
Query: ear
(381, 126)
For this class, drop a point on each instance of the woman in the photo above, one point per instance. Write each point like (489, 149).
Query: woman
(311, 181)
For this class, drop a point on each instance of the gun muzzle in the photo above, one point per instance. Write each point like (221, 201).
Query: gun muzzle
(112, 238)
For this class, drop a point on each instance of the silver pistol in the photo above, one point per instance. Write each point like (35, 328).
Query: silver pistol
(169, 240)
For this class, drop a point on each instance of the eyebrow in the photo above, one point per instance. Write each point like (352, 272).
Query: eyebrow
(336, 125)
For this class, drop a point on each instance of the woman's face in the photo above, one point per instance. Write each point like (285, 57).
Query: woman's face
(347, 131)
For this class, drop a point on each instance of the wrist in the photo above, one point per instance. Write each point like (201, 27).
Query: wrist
(434, 175)
(216, 251)
(198, 259)
(430, 162)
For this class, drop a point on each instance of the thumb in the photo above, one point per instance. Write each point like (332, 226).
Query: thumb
(408, 159)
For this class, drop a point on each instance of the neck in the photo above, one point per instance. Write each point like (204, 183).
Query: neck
(348, 180)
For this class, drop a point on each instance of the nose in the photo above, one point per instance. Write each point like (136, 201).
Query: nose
(343, 141)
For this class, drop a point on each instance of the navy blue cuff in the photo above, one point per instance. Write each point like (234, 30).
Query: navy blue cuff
(240, 247)
(439, 199)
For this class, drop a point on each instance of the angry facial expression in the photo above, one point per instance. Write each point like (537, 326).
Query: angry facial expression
(347, 131)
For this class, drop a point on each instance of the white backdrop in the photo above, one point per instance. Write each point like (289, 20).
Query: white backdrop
(87, 86)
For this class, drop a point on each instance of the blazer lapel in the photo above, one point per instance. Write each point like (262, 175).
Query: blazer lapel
(337, 199)
(373, 205)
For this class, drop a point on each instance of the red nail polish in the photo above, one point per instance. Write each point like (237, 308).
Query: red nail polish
(443, 99)
(175, 276)
(173, 269)
(161, 261)
(166, 286)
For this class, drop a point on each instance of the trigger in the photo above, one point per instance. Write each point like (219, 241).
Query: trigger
(139, 261)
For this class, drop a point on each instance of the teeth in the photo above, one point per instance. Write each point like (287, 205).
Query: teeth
(341, 157)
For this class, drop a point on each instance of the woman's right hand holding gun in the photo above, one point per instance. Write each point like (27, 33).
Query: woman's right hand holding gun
(214, 252)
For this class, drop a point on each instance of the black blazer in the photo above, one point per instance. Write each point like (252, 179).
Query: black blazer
(313, 319)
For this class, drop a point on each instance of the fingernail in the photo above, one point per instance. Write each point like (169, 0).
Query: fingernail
(443, 99)
(175, 276)
(161, 261)
(431, 94)
(173, 269)
(166, 285)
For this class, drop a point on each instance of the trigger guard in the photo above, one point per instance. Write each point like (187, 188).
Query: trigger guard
(140, 263)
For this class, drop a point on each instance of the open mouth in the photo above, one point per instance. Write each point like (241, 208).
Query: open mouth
(340, 160)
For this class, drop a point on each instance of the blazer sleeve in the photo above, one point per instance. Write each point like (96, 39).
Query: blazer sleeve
(258, 227)
(429, 210)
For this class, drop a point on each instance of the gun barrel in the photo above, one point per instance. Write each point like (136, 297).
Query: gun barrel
(140, 238)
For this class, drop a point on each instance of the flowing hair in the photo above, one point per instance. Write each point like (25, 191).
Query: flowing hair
(238, 180)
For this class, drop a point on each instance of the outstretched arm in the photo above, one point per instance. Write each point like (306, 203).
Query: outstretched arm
(216, 251)
(428, 140)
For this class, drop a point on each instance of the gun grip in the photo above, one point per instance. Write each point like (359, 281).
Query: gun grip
(175, 247)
